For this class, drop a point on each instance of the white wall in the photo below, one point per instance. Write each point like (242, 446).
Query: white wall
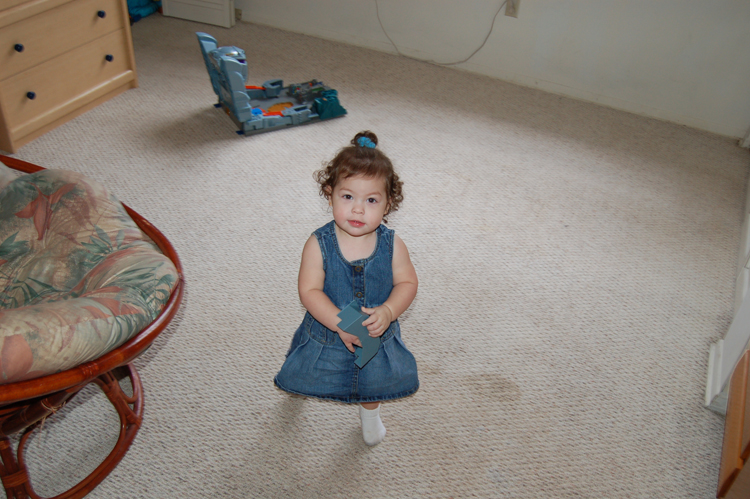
(686, 61)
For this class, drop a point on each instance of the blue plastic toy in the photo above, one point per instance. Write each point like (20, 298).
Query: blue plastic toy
(351, 322)
(139, 9)
(272, 106)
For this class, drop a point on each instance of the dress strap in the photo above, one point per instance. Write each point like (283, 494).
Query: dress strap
(323, 235)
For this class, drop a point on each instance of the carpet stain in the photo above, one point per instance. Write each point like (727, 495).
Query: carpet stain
(493, 387)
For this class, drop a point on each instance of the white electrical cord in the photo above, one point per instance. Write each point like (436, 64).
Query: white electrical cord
(377, 10)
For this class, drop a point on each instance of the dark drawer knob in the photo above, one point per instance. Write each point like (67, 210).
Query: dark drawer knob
(109, 57)
(31, 95)
(101, 14)
(18, 47)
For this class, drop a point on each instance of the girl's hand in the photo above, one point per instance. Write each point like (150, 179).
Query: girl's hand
(349, 340)
(379, 321)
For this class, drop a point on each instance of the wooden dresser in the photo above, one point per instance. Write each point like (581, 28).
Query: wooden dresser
(58, 59)
(734, 473)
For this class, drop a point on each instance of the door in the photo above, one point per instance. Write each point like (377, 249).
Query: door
(218, 12)
(724, 354)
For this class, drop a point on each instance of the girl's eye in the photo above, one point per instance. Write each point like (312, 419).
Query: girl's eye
(372, 200)
(347, 196)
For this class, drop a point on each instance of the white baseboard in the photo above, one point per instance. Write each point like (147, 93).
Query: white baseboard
(745, 142)
(716, 398)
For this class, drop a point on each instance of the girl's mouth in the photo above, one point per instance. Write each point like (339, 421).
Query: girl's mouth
(356, 223)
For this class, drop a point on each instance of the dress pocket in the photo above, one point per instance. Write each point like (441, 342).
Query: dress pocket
(299, 339)
(319, 332)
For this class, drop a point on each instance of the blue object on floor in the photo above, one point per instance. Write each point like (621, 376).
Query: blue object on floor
(271, 106)
(138, 9)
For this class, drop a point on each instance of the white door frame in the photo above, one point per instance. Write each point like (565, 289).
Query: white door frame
(724, 354)
(217, 12)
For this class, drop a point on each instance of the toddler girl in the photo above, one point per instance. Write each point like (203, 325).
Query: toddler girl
(353, 257)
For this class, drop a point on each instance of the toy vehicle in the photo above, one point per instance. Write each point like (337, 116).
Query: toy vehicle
(272, 106)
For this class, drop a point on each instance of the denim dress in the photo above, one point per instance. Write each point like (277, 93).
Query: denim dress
(318, 364)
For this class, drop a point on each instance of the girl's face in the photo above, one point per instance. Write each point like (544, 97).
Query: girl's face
(359, 204)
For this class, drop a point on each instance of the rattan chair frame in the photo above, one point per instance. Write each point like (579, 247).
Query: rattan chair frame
(26, 404)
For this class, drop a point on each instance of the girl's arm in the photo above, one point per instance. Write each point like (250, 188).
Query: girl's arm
(310, 285)
(405, 284)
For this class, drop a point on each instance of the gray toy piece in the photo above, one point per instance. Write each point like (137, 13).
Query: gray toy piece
(272, 106)
(351, 322)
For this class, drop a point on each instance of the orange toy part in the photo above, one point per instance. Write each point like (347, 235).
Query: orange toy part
(279, 107)
(276, 109)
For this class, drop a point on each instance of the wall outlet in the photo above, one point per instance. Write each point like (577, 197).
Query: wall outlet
(238, 14)
(511, 8)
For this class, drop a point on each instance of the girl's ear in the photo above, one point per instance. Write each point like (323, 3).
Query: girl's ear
(328, 194)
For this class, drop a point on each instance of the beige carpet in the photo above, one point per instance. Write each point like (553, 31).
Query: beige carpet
(576, 263)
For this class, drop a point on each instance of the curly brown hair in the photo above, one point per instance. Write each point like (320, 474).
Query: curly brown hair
(357, 159)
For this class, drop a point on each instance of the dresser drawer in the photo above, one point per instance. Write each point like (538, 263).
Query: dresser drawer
(65, 83)
(50, 33)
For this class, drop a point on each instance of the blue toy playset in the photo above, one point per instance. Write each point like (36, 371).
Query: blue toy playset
(351, 322)
(272, 106)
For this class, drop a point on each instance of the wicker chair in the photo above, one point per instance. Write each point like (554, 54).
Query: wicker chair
(25, 404)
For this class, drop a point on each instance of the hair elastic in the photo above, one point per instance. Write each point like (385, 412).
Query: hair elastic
(365, 142)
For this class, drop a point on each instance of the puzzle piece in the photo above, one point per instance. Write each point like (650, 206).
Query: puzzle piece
(351, 322)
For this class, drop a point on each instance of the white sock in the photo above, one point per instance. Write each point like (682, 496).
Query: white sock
(373, 430)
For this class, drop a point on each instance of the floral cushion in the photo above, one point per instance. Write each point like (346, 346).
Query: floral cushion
(6, 176)
(78, 278)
